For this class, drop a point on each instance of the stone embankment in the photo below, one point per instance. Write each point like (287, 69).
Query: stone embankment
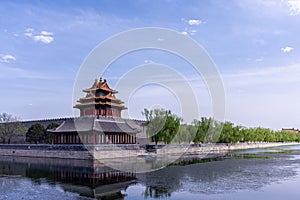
(122, 151)
(205, 149)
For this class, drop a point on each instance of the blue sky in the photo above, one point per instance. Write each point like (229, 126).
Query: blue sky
(255, 45)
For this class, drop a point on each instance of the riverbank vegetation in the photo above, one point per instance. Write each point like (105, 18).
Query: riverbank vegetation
(207, 130)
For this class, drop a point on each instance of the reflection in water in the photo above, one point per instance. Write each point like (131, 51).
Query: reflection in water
(81, 179)
(157, 192)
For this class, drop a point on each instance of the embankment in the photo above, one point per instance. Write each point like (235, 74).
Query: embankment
(122, 151)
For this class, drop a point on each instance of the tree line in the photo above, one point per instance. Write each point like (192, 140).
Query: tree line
(163, 126)
(11, 126)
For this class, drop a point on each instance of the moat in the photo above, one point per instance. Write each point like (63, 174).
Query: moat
(271, 173)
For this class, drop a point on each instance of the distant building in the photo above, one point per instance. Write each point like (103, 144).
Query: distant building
(291, 130)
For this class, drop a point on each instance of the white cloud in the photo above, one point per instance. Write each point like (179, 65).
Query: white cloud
(287, 49)
(44, 36)
(294, 7)
(191, 22)
(6, 58)
(46, 33)
(195, 22)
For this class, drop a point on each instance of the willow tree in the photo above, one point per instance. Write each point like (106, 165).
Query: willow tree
(161, 125)
(208, 130)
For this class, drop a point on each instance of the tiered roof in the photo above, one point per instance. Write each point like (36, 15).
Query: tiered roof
(100, 94)
(100, 85)
(86, 124)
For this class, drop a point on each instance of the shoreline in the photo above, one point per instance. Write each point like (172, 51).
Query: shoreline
(112, 152)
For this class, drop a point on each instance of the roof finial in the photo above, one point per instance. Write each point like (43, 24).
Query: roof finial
(95, 83)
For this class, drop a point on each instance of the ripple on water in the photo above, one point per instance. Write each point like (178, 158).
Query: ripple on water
(13, 188)
(229, 175)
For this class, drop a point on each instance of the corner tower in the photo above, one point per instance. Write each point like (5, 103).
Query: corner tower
(100, 100)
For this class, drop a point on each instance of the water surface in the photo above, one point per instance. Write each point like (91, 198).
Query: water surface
(268, 173)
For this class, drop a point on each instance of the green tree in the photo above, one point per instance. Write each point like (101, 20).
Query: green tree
(10, 127)
(192, 130)
(186, 133)
(207, 130)
(161, 125)
(155, 120)
(231, 133)
(203, 126)
(287, 136)
(227, 135)
(234, 134)
(298, 138)
(170, 128)
(182, 133)
(36, 133)
(52, 125)
(249, 135)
